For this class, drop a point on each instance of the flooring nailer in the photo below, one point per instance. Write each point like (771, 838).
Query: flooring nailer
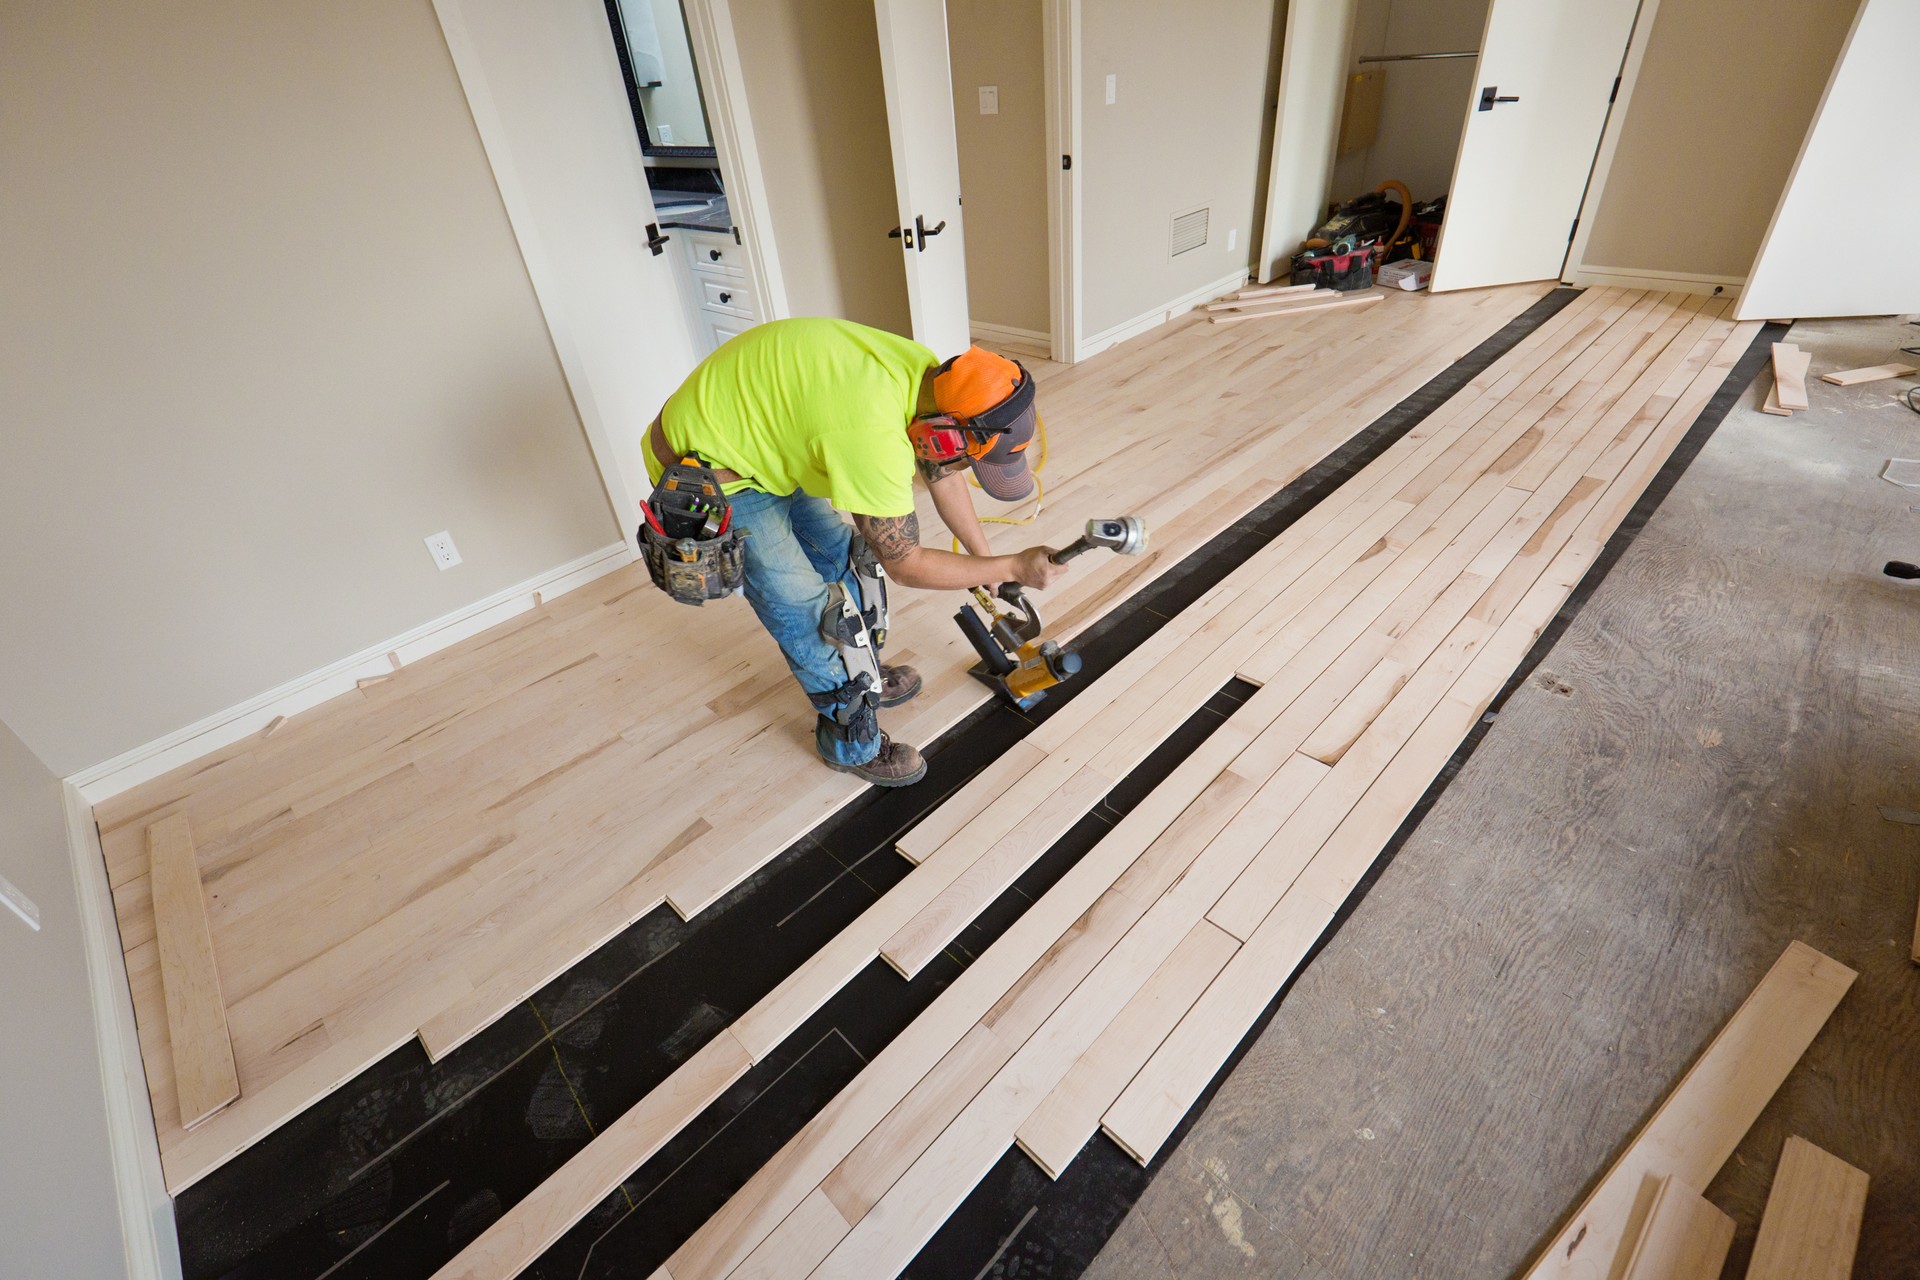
(1015, 661)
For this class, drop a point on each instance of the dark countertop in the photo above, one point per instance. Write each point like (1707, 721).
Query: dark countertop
(712, 216)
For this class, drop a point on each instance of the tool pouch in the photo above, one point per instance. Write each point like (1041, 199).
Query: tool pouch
(693, 552)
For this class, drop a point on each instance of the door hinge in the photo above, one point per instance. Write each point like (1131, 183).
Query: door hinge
(1572, 229)
(1066, 162)
(1615, 91)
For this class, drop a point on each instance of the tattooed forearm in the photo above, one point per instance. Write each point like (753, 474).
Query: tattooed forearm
(932, 471)
(891, 537)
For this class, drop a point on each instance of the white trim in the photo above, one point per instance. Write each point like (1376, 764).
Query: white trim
(147, 762)
(1060, 24)
(146, 1211)
(723, 84)
(1576, 262)
(1669, 281)
(1160, 315)
(1007, 333)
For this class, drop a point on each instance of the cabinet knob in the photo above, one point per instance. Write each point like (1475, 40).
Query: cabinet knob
(714, 254)
(725, 298)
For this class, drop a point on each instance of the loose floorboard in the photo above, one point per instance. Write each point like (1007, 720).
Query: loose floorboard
(1812, 1226)
(1692, 776)
(1487, 516)
(419, 855)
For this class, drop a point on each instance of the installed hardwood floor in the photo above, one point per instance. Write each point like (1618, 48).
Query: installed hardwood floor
(1444, 558)
(414, 858)
(1694, 776)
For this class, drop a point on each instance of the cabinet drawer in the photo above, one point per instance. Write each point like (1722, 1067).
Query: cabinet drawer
(714, 254)
(720, 328)
(728, 295)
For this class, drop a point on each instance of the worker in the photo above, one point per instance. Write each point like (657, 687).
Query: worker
(799, 417)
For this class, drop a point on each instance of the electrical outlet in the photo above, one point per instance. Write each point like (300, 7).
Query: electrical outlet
(1113, 89)
(440, 547)
(989, 99)
(1233, 238)
(666, 134)
(22, 905)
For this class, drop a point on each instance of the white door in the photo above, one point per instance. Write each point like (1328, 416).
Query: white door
(1545, 81)
(1847, 163)
(926, 169)
(545, 88)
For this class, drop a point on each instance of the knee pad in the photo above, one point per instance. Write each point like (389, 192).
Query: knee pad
(845, 626)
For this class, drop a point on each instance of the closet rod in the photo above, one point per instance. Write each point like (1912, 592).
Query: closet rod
(1418, 57)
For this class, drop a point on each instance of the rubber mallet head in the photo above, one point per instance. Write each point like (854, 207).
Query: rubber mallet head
(1126, 535)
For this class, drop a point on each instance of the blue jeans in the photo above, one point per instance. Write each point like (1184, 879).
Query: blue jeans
(796, 548)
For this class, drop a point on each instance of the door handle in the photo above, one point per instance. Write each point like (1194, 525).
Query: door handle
(896, 233)
(655, 239)
(1491, 95)
(926, 232)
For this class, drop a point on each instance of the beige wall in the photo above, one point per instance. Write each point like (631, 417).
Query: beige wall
(1423, 109)
(812, 72)
(1724, 98)
(1185, 130)
(266, 328)
(58, 1215)
(1004, 164)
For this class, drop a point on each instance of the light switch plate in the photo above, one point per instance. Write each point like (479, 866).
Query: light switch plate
(989, 99)
(21, 904)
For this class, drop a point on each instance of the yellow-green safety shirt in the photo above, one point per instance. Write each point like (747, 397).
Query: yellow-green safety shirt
(817, 405)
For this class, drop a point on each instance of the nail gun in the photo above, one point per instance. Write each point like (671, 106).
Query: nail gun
(1015, 661)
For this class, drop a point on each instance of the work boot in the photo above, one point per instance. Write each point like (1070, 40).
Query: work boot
(897, 765)
(898, 685)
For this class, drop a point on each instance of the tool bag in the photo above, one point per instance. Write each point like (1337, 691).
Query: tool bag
(692, 550)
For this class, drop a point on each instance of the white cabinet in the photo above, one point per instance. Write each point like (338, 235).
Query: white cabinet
(722, 298)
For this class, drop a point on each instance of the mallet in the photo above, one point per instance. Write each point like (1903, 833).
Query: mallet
(1124, 534)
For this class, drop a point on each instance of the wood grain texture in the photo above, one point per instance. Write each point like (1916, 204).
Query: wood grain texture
(1790, 375)
(1291, 309)
(1684, 1238)
(204, 1078)
(1872, 373)
(1812, 1225)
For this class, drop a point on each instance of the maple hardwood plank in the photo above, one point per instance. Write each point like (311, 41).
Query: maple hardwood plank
(203, 1072)
(1337, 304)
(1684, 1238)
(1790, 375)
(526, 1230)
(1070, 1114)
(1812, 1224)
(1873, 373)
(1701, 1121)
(966, 804)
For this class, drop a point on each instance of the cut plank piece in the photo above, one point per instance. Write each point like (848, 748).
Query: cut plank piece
(531, 1226)
(1234, 317)
(1305, 293)
(1790, 375)
(1685, 1237)
(1712, 1107)
(1812, 1223)
(1274, 290)
(1874, 373)
(203, 1071)
(1772, 403)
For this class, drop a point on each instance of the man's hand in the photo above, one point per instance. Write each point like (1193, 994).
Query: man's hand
(1033, 569)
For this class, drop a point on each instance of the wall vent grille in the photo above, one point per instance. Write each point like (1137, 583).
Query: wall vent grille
(1189, 231)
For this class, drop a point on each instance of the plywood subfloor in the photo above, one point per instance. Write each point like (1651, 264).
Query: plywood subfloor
(416, 857)
(1435, 567)
(1693, 777)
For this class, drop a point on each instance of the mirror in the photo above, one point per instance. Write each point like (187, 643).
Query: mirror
(662, 85)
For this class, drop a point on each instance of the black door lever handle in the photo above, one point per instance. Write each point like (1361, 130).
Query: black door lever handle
(920, 225)
(896, 233)
(1491, 95)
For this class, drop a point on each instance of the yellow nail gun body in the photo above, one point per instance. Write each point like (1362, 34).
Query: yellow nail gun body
(1016, 661)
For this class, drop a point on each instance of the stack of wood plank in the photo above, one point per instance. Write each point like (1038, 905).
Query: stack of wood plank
(1647, 1220)
(1378, 628)
(1790, 365)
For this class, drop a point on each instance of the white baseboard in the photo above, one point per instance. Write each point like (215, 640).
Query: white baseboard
(1670, 281)
(1007, 333)
(146, 1211)
(1096, 343)
(144, 763)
